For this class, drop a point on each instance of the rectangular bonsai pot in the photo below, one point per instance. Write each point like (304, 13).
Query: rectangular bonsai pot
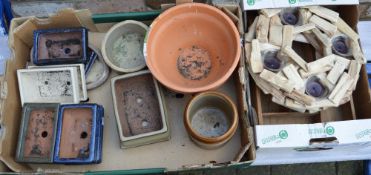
(37, 133)
(49, 85)
(79, 137)
(139, 109)
(80, 75)
(60, 46)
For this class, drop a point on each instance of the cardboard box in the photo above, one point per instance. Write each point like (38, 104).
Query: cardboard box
(260, 4)
(284, 136)
(177, 154)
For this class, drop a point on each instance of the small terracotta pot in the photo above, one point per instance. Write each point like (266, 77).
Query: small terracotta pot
(211, 119)
(192, 47)
(130, 58)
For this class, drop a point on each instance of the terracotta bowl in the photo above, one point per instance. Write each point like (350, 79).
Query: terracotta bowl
(211, 119)
(192, 48)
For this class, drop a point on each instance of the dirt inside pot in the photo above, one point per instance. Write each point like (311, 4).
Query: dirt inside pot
(138, 105)
(210, 122)
(76, 133)
(194, 63)
(128, 51)
(60, 45)
(39, 136)
(54, 84)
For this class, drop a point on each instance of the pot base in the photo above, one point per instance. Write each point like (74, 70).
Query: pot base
(138, 105)
(39, 138)
(210, 122)
(76, 133)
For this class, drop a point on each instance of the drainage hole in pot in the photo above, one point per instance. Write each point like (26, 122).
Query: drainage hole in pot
(46, 82)
(44, 134)
(48, 43)
(139, 100)
(67, 50)
(68, 83)
(216, 125)
(210, 122)
(83, 135)
(179, 95)
(145, 123)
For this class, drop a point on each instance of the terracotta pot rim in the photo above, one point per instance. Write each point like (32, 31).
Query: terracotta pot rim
(227, 135)
(212, 85)
(104, 52)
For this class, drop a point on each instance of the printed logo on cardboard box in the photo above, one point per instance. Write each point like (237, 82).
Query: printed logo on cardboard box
(282, 135)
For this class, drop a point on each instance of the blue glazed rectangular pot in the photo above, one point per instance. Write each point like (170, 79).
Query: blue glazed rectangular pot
(84, 136)
(60, 46)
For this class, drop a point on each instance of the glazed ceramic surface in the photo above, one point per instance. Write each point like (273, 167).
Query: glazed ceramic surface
(138, 106)
(37, 133)
(60, 46)
(49, 85)
(81, 77)
(211, 119)
(80, 134)
(123, 46)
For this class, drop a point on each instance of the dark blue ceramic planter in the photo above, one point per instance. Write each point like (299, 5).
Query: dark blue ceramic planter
(93, 153)
(60, 46)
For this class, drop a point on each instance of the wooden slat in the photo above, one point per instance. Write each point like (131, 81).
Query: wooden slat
(295, 57)
(256, 60)
(282, 82)
(262, 29)
(324, 25)
(325, 13)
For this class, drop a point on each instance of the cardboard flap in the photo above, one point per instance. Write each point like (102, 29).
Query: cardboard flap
(301, 135)
(274, 156)
(66, 18)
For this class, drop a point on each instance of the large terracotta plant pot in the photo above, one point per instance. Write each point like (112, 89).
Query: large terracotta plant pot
(211, 119)
(192, 48)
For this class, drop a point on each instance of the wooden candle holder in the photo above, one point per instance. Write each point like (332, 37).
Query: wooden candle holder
(336, 66)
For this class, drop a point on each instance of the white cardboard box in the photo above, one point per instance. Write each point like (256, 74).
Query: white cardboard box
(260, 4)
(336, 134)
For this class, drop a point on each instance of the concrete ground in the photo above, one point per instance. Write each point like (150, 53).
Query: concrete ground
(40, 8)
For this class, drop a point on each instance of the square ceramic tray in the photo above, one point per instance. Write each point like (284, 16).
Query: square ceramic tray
(139, 109)
(49, 85)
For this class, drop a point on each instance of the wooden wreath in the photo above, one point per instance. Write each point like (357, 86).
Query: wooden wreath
(279, 70)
